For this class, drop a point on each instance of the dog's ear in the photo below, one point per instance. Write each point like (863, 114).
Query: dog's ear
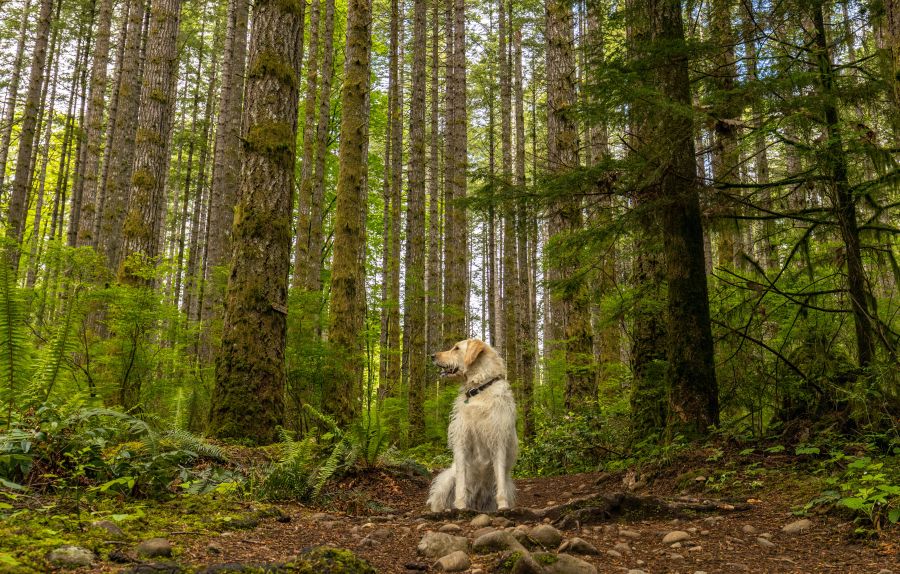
(473, 350)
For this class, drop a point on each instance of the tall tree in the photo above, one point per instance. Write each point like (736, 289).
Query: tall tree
(414, 302)
(248, 400)
(226, 163)
(456, 165)
(345, 333)
(144, 220)
(12, 95)
(570, 292)
(94, 121)
(22, 180)
(122, 144)
(434, 299)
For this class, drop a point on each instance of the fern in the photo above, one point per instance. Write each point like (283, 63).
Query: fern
(14, 343)
(63, 343)
(185, 440)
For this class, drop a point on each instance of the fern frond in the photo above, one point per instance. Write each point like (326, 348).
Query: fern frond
(64, 342)
(186, 440)
(14, 342)
(327, 420)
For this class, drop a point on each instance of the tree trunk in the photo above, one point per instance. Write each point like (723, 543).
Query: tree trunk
(17, 213)
(143, 222)
(248, 401)
(455, 257)
(434, 299)
(123, 140)
(94, 122)
(414, 302)
(570, 291)
(9, 114)
(349, 235)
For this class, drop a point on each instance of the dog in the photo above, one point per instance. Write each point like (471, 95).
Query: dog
(482, 433)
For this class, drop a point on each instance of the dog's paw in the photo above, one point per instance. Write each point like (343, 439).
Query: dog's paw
(459, 504)
(502, 505)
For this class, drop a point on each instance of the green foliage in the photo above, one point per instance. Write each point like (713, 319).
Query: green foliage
(72, 449)
(15, 347)
(575, 442)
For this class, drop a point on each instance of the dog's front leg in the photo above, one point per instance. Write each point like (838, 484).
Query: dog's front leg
(500, 471)
(459, 463)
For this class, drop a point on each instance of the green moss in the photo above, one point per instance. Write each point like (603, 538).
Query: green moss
(274, 140)
(294, 7)
(546, 558)
(148, 136)
(143, 178)
(268, 63)
(158, 95)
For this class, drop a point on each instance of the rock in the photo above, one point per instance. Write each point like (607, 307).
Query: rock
(450, 528)
(119, 557)
(563, 564)
(797, 526)
(622, 547)
(609, 529)
(676, 545)
(748, 529)
(481, 532)
(675, 536)
(419, 566)
(109, 526)
(496, 541)
(368, 542)
(636, 571)
(501, 522)
(70, 557)
(518, 562)
(453, 562)
(155, 547)
(614, 553)
(765, 542)
(381, 534)
(283, 518)
(481, 521)
(699, 571)
(439, 544)
(213, 548)
(318, 516)
(674, 556)
(156, 568)
(629, 534)
(578, 546)
(546, 535)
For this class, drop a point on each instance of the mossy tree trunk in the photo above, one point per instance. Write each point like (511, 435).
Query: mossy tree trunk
(414, 302)
(455, 257)
(248, 401)
(570, 291)
(94, 122)
(12, 94)
(226, 166)
(122, 143)
(693, 390)
(18, 200)
(146, 207)
(347, 271)
(434, 297)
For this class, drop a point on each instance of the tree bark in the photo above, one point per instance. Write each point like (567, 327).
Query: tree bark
(143, 222)
(248, 401)
(9, 114)
(123, 140)
(434, 298)
(94, 122)
(349, 235)
(17, 213)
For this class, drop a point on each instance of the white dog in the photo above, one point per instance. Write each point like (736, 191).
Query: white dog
(482, 432)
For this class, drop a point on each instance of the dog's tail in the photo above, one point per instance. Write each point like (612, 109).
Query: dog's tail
(440, 496)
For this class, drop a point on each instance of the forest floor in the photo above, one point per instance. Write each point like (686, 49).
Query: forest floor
(381, 517)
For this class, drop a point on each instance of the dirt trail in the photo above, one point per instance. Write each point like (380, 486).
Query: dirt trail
(746, 541)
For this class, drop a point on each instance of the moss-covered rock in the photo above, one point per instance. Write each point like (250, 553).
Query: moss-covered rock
(316, 560)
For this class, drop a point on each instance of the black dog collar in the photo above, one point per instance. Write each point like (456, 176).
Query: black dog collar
(475, 390)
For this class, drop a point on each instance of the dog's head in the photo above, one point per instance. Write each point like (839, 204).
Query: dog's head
(468, 358)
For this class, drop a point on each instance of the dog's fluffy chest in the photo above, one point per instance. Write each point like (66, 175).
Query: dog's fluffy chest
(486, 416)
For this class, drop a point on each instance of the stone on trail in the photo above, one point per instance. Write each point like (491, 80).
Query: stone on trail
(748, 529)
(155, 568)
(622, 547)
(497, 541)
(675, 536)
(563, 564)
(481, 521)
(109, 526)
(481, 532)
(765, 542)
(454, 562)
(450, 528)
(439, 544)
(70, 557)
(629, 534)
(614, 553)
(636, 571)
(578, 546)
(797, 526)
(155, 547)
(518, 562)
(546, 535)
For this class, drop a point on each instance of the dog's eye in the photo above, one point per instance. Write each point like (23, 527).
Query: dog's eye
(456, 348)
